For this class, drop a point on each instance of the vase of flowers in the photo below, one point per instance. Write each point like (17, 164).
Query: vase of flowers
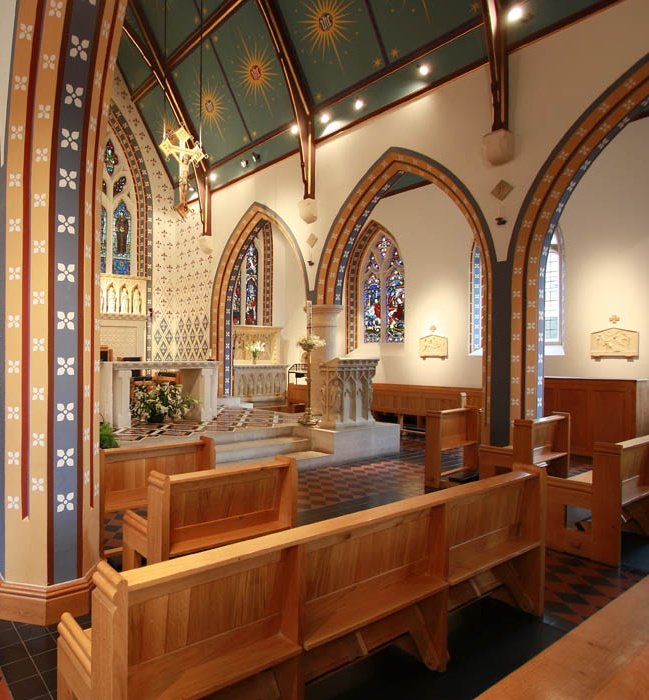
(254, 348)
(311, 342)
(161, 401)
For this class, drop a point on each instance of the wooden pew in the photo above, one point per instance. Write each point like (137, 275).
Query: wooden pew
(534, 441)
(615, 491)
(191, 512)
(606, 657)
(449, 430)
(417, 400)
(124, 473)
(285, 608)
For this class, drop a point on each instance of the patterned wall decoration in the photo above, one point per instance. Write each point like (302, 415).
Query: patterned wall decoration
(355, 212)
(59, 72)
(540, 213)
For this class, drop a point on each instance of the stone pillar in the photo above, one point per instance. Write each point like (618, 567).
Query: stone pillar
(347, 392)
(325, 324)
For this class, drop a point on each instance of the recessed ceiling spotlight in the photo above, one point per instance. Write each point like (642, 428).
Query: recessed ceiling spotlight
(213, 177)
(359, 104)
(256, 157)
(295, 129)
(244, 163)
(325, 118)
(424, 69)
(515, 14)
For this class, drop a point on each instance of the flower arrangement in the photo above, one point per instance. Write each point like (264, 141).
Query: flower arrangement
(311, 342)
(255, 348)
(160, 401)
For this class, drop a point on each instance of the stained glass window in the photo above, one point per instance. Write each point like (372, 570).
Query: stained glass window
(395, 307)
(236, 302)
(110, 157)
(554, 291)
(475, 342)
(383, 293)
(121, 240)
(103, 238)
(118, 186)
(252, 284)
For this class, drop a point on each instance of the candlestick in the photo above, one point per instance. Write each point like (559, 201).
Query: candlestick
(309, 319)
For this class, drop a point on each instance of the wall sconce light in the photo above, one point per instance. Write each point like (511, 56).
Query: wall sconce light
(325, 118)
(244, 163)
(256, 157)
(424, 69)
(359, 104)
(295, 129)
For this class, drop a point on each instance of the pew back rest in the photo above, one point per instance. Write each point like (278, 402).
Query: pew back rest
(544, 439)
(456, 427)
(179, 631)
(124, 471)
(188, 512)
(495, 522)
(624, 466)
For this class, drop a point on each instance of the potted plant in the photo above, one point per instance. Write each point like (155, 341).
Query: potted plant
(165, 400)
(107, 437)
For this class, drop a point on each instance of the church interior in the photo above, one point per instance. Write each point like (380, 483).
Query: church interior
(347, 295)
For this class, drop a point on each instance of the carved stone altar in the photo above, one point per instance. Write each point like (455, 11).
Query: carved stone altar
(199, 380)
(260, 382)
(245, 335)
(347, 392)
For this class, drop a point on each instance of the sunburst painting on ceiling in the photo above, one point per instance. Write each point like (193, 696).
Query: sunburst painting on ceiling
(256, 73)
(327, 25)
(211, 107)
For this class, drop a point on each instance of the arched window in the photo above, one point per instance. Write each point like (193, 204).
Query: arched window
(554, 287)
(245, 298)
(383, 292)
(475, 312)
(118, 252)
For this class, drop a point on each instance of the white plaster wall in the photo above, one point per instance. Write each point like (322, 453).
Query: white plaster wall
(606, 226)
(435, 242)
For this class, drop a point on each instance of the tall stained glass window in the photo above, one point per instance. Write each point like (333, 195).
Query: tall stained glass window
(475, 333)
(121, 240)
(554, 291)
(236, 302)
(118, 227)
(383, 293)
(252, 284)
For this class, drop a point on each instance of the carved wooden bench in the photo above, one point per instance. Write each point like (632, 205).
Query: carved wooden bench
(124, 473)
(452, 429)
(265, 615)
(615, 492)
(540, 441)
(191, 512)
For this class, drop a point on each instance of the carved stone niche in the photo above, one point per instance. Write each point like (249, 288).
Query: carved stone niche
(245, 335)
(614, 342)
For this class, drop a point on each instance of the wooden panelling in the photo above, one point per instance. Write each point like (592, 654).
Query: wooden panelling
(608, 410)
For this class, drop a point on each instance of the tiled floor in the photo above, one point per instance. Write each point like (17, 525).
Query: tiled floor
(487, 639)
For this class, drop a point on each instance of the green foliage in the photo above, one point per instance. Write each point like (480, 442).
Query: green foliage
(164, 399)
(107, 436)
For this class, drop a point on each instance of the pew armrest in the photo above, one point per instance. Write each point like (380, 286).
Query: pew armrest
(74, 651)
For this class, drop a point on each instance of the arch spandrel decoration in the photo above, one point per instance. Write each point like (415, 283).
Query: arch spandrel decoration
(256, 219)
(355, 212)
(568, 163)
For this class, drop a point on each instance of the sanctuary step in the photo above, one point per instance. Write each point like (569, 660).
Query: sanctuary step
(260, 447)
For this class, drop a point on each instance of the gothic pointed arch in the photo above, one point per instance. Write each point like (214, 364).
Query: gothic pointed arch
(355, 212)
(258, 219)
(625, 99)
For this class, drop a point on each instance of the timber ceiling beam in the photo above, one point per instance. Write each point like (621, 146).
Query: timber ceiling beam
(298, 93)
(496, 35)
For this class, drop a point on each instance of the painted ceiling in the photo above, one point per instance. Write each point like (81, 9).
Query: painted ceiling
(349, 58)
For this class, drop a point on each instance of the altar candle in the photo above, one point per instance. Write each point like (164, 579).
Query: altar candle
(308, 318)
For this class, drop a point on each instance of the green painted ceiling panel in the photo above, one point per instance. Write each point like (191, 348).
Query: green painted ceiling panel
(406, 25)
(247, 54)
(182, 19)
(447, 60)
(335, 43)
(222, 128)
(133, 66)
